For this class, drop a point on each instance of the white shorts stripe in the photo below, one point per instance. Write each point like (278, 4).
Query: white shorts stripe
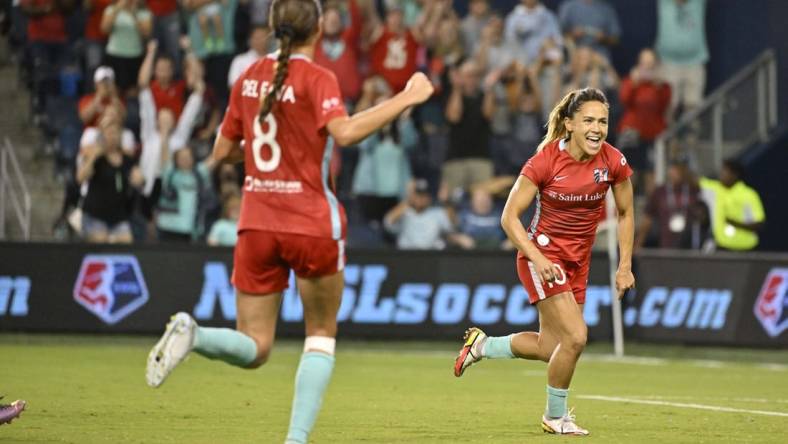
(537, 280)
(341, 256)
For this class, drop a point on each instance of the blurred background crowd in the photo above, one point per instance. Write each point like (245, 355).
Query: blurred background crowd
(128, 96)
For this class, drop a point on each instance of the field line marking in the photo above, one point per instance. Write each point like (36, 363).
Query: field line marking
(682, 405)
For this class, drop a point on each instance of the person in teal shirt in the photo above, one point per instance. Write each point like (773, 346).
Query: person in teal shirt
(186, 194)
(224, 231)
(681, 45)
(736, 209)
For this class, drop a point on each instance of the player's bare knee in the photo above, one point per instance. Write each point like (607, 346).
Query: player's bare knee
(576, 341)
(263, 352)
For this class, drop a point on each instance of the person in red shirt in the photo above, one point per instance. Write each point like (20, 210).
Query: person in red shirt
(92, 106)
(569, 177)
(337, 49)
(168, 92)
(288, 112)
(47, 39)
(393, 49)
(645, 98)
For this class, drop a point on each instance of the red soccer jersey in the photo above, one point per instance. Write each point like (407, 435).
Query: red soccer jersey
(394, 57)
(571, 199)
(287, 187)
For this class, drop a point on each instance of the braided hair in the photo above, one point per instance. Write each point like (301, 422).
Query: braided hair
(293, 22)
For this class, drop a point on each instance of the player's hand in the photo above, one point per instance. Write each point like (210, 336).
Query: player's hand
(624, 281)
(547, 270)
(419, 88)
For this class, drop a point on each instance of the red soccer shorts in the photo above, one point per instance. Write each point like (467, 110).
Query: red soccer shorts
(263, 259)
(573, 276)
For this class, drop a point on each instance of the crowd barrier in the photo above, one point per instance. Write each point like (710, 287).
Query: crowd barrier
(736, 300)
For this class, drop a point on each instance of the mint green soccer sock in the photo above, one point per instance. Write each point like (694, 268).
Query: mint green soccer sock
(498, 347)
(312, 377)
(230, 346)
(556, 402)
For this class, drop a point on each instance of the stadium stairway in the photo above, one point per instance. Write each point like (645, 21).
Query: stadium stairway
(38, 167)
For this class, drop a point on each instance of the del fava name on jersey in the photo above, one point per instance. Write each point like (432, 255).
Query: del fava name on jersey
(252, 88)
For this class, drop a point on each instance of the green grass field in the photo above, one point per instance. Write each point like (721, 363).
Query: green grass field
(92, 390)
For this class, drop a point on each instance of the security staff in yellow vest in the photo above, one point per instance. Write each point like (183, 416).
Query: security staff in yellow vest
(736, 209)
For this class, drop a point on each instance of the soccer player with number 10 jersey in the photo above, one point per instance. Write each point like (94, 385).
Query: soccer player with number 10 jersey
(568, 177)
(284, 116)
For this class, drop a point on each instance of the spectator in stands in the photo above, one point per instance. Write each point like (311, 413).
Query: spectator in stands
(383, 170)
(533, 30)
(645, 98)
(224, 232)
(161, 136)
(258, 12)
(167, 27)
(480, 223)
(258, 48)
(128, 25)
(46, 37)
(590, 69)
(528, 27)
(209, 18)
(116, 115)
(208, 118)
(698, 235)
(92, 106)
(216, 60)
(338, 48)
(590, 23)
(168, 92)
(468, 111)
(479, 15)
(95, 38)
(670, 208)
(681, 44)
(111, 177)
(525, 101)
(186, 197)
(393, 48)
(736, 209)
(417, 224)
(494, 52)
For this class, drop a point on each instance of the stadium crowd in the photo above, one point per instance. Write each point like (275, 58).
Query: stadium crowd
(129, 95)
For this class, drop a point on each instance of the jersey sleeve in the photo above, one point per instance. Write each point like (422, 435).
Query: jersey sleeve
(326, 99)
(232, 125)
(537, 169)
(620, 169)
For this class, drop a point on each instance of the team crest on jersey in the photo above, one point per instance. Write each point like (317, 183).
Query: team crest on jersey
(600, 175)
(771, 306)
(110, 286)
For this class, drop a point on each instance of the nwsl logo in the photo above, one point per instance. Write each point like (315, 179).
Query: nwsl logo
(110, 286)
(600, 175)
(771, 307)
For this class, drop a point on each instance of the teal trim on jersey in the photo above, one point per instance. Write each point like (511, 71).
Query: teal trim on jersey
(333, 203)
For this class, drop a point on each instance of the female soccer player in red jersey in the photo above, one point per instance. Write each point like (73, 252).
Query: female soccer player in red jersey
(569, 177)
(288, 112)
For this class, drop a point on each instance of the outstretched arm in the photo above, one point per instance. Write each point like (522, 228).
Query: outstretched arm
(349, 130)
(622, 192)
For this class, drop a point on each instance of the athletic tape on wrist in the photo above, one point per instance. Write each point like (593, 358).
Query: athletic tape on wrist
(322, 344)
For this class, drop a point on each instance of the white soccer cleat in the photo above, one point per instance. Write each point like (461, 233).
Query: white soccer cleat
(173, 347)
(471, 351)
(563, 426)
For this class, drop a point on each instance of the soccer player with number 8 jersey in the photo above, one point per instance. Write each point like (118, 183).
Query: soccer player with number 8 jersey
(284, 116)
(568, 177)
